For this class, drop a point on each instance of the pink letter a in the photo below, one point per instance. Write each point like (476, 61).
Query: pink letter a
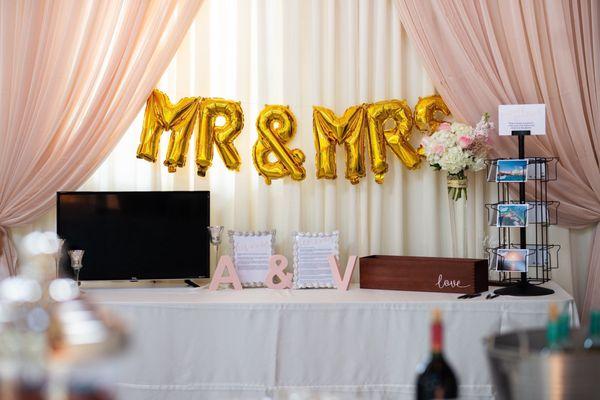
(225, 262)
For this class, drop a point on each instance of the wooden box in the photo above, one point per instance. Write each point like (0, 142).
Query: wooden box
(428, 274)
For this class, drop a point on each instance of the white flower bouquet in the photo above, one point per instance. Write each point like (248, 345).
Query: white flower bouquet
(455, 148)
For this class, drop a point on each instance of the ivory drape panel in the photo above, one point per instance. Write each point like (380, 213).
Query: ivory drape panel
(73, 76)
(484, 53)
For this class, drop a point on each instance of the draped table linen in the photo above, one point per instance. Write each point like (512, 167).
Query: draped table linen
(189, 343)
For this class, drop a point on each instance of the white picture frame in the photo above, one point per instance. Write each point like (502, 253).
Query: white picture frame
(251, 252)
(311, 259)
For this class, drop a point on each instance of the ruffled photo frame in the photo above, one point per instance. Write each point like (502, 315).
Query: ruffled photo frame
(311, 264)
(250, 252)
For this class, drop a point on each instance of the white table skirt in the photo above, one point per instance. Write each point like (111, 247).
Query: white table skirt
(189, 343)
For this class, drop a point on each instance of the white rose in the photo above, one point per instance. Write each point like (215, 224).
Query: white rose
(454, 160)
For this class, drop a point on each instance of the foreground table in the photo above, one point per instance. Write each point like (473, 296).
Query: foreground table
(190, 343)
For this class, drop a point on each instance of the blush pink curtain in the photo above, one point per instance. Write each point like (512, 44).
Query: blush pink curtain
(73, 75)
(484, 53)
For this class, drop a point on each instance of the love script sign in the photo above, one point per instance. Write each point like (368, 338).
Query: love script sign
(449, 283)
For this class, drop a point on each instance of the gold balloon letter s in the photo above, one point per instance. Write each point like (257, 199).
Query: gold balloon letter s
(222, 135)
(397, 137)
(330, 130)
(276, 126)
(426, 110)
(161, 115)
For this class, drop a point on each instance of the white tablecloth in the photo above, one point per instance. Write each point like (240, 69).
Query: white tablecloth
(189, 343)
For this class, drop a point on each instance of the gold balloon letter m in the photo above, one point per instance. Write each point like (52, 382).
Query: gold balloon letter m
(330, 130)
(161, 115)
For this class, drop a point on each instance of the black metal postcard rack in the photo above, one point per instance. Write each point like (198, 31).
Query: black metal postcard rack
(542, 256)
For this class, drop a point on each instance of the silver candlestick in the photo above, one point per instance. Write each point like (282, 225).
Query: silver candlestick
(58, 256)
(76, 263)
(215, 239)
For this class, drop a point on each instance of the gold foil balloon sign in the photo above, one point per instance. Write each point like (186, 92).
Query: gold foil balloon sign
(427, 111)
(161, 115)
(191, 115)
(329, 130)
(276, 126)
(397, 137)
(384, 124)
(222, 135)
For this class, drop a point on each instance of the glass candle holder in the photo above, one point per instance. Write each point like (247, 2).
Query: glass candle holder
(215, 237)
(76, 263)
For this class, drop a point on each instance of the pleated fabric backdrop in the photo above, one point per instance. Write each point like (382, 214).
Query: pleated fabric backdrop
(304, 53)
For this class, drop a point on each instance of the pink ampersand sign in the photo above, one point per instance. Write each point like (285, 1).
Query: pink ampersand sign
(277, 266)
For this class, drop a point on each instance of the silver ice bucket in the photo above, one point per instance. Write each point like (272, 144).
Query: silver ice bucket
(522, 369)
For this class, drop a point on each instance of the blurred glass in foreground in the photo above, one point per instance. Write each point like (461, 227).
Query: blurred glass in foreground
(54, 344)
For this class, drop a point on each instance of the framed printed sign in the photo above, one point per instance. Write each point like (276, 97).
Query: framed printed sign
(251, 252)
(311, 259)
(522, 117)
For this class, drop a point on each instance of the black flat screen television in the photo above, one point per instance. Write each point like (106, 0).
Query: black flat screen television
(136, 235)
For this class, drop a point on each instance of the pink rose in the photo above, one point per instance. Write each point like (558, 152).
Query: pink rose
(464, 141)
(439, 149)
(444, 126)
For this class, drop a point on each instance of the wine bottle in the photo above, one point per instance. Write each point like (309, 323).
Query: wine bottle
(592, 340)
(437, 381)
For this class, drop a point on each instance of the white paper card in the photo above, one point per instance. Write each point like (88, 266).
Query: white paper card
(536, 170)
(251, 253)
(522, 117)
(311, 265)
(539, 258)
(537, 213)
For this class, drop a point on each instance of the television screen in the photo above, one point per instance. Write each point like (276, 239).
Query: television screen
(136, 235)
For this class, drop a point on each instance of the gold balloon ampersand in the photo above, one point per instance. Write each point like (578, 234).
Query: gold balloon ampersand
(161, 115)
(330, 130)
(223, 135)
(276, 126)
(397, 137)
(426, 111)
(188, 116)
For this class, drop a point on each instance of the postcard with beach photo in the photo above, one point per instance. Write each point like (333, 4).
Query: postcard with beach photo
(511, 170)
(512, 260)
